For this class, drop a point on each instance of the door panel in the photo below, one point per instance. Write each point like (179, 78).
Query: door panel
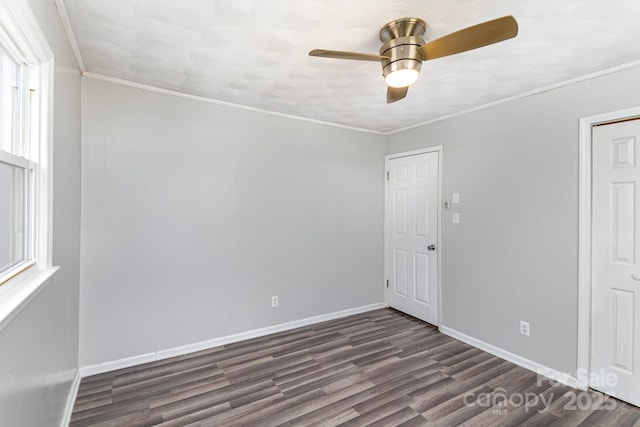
(412, 227)
(421, 218)
(401, 210)
(622, 321)
(623, 202)
(401, 267)
(421, 263)
(615, 323)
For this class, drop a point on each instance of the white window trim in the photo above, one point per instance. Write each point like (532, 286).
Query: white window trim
(18, 24)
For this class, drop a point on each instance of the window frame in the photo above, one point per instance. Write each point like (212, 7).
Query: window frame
(28, 214)
(22, 37)
(18, 114)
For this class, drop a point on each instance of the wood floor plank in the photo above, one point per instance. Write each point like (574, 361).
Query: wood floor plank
(212, 398)
(224, 418)
(154, 386)
(153, 373)
(333, 420)
(417, 421)
(328, 381)
(181, 393)
(372, 393)
(381, 368)
(194, 416)
(310, 399)
(93, 403)
(383, 411)
(288, 412)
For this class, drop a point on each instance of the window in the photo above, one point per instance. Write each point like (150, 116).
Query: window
(16, 170)
(25, 65)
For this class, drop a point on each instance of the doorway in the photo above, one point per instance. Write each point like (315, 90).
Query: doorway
(609, 310)
(412, 236)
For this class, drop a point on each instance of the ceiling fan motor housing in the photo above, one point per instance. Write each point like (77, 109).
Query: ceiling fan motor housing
(403, 53)
(402, 42)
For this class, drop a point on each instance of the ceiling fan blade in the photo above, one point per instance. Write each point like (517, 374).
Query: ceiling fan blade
(473, 37)
(396, 93)
(339, 54)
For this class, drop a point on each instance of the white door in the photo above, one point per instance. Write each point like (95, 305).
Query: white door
(412, 235)
(615, 323)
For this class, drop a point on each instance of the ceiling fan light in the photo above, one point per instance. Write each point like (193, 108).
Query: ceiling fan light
(402, 78)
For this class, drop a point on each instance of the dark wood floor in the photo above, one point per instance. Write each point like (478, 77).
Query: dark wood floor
(380, 368)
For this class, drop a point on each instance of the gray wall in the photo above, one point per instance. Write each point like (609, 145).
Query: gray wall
(514, 256)
(39, 347)
(194, 215)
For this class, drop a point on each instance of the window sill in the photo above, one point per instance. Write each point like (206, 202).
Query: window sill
(16, 293)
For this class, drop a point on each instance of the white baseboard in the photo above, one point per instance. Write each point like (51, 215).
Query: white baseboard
(536, 367)
(216, 342)
(71, 398)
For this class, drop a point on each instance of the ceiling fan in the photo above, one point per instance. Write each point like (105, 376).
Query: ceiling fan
(403, 48)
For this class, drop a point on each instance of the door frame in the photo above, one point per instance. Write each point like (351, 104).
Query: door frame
(585, 233)
(439, 150)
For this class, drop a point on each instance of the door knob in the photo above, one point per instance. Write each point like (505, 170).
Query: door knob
(433, 248)
(635, 276)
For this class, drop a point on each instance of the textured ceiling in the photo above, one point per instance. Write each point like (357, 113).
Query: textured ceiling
(254, 52)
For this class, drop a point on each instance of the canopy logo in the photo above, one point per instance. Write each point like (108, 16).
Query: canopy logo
(555, 394)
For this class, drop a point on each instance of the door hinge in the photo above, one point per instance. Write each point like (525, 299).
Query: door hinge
(387, 283)
(387, 175)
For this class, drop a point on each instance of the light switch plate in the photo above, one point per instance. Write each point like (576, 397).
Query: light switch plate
(455, 198)
(455, 218)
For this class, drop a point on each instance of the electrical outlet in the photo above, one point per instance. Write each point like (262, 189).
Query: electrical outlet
(274, 301)
(524, 328)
